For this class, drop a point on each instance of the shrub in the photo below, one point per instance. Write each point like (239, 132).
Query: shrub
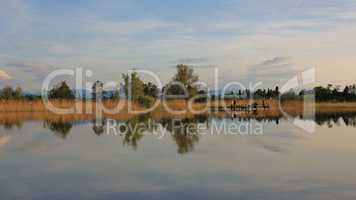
(146, 101)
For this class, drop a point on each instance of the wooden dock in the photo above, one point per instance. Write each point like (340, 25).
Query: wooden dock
(241, 108)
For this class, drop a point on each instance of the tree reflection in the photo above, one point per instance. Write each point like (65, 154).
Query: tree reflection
(134, 130)
(98, 127)
(60, 128)
(184, 132)
(336, 119)
(264, 119)
(10, 125)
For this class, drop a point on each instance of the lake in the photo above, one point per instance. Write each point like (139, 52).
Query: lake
(179, 159)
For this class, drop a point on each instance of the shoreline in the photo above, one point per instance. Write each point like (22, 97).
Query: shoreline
(11, 111)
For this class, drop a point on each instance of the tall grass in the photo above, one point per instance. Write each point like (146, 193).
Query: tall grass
(36, 110)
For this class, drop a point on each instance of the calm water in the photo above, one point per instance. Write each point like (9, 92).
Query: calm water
(81, 160)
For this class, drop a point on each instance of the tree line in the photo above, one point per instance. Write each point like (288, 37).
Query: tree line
(9, 93)
(335, 93)
(183, 85)
(324, 93)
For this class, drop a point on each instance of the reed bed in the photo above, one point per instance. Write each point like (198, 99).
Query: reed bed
(12, 110)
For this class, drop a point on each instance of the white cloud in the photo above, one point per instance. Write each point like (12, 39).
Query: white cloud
(312, 35)
(4, 75)
(27, 74)
(34, 70)
(272, 71)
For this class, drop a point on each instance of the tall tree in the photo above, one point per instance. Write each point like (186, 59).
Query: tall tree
(97, 90)
(7, 92)
(18, 93)
(133, 86)
(186, 77)
(276, 92)
(151, 89)
(61, 91)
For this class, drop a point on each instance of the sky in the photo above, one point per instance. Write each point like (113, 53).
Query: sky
(267, 41)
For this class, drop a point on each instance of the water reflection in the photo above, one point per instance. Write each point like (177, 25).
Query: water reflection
(11, 125)
(336, 119)
(84, 159)
(59, 128)
(248, 118)
(134, 130)
(184, 132)
(98, 127)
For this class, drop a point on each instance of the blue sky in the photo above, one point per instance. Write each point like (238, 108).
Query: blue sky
(237, 37)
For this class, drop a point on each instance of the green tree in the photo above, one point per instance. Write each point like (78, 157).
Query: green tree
(7, 92)
(186, 77)
(276, 92)
(61, 91)
(150, 89)
(18, 93)
(133, 86)
(116, 94)
(134, 89)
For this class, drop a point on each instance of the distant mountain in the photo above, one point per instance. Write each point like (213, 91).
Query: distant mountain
(32, 93)
(88, 94)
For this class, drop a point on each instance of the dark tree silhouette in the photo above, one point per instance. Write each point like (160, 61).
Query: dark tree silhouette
(61, 91)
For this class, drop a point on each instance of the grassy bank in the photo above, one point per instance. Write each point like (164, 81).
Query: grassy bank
(36, 110)
(177, 105)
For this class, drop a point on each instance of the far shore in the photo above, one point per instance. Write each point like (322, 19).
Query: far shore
(13, 110)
